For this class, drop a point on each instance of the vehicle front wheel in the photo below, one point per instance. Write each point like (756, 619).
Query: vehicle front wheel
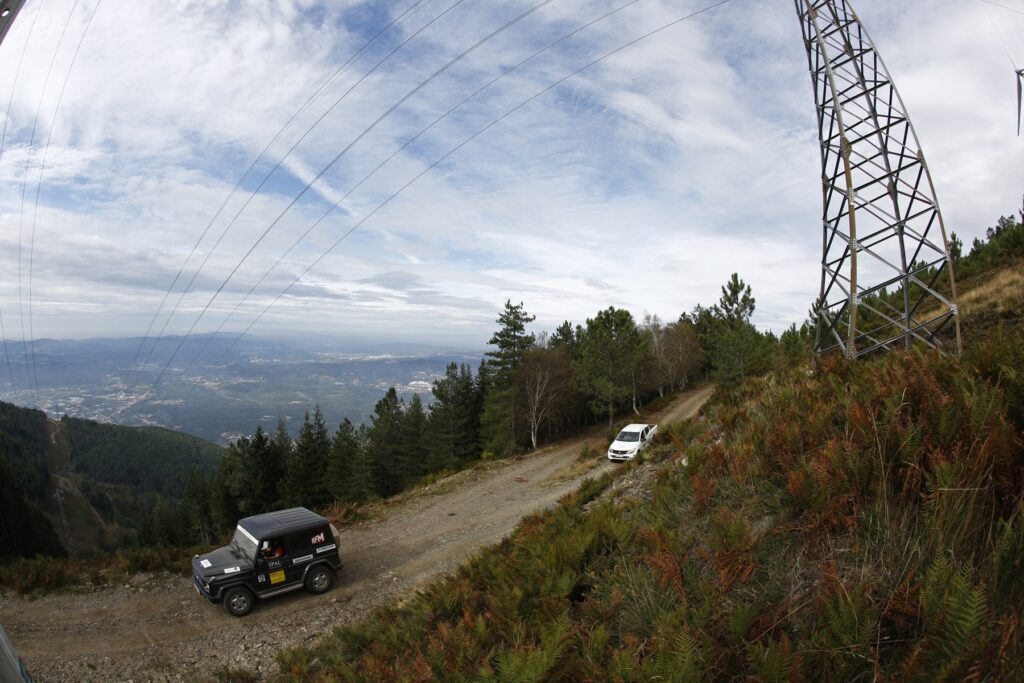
(319, 580)
(237, 601)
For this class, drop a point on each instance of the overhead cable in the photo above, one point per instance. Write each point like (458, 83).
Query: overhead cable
(462, 144)
(263, 153)
(398, 151)
(337, 157)
(3, 140)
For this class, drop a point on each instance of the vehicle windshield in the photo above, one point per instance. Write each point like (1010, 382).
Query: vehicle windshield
(243, 541)
(628, 436)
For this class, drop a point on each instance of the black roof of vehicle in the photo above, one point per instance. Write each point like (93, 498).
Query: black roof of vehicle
(281, 522)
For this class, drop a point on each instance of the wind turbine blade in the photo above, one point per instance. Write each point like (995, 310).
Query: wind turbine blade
(1020, 98)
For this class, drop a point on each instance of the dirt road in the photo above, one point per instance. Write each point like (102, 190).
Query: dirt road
(156, 628)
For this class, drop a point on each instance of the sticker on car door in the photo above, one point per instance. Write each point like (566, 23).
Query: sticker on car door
(277, 577)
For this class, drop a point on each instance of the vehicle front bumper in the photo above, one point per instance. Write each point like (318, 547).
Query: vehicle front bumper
(620, 457)
(197, 583)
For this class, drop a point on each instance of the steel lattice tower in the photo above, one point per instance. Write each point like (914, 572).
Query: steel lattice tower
(8, 12)
(882, 227)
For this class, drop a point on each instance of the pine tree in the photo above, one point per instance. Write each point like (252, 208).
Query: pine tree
(235, 484)
(454, 420)
(611, 349)
(511, 339)
(738, 350)
(344, 450)
(412, 449)
(384, 451)
(306, 481)
(282, 446)
(498, 419)
(565, 337)
(736, 304)
(361, 482)
(267, 472)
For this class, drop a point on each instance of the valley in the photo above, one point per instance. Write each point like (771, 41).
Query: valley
(219, 400)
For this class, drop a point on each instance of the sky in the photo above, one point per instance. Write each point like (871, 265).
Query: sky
(642, 182)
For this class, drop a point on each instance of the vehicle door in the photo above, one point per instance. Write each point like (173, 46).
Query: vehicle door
(300, 549)
(273, 564)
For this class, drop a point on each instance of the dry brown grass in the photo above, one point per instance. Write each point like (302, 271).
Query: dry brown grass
(579, 467)
(998, 292)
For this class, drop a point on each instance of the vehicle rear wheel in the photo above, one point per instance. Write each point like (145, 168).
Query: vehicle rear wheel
(319, 579)
(237, 601)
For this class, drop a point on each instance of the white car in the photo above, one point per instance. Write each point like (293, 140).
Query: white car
(630, 441)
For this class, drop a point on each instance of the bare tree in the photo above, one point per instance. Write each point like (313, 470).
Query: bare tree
(675, 350)
(542, 377)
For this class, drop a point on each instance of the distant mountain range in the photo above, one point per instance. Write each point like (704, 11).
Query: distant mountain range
(211, 391)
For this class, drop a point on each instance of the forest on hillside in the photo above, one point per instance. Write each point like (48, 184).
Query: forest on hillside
(125, 474)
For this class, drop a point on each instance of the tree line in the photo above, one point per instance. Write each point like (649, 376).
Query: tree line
(530, 389)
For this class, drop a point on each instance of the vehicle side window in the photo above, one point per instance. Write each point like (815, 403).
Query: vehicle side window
(272, 549)
(298, 544)
(645, 433)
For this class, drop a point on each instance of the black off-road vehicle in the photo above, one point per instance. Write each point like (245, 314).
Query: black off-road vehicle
(270, 554)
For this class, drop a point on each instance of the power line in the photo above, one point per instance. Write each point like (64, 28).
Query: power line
(264, 181)
(1002, 6)
(446, 156)
(149, 393)
(42, 171)
(463, 144)
(310, 184)
(3, 140)
(30, 343)
(298, 112)
(398, 151)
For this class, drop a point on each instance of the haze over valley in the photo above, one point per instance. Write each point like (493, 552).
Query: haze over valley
(258, 382)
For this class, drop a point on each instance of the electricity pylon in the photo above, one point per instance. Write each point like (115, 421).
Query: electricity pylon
(884, 245)
(8, 11)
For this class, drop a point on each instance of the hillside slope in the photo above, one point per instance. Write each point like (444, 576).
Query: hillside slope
(856, 521)
(80, 486)
(863, 521)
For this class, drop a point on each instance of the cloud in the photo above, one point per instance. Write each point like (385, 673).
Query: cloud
(643, 182)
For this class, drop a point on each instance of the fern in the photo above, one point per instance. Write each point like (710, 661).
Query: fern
(532, 664)
(774, 662)
(956, 620)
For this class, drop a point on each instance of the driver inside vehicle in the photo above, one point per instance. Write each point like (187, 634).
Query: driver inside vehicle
(272, 549)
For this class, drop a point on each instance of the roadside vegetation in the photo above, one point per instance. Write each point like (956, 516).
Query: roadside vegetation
(829, 522)
(40, 575)
(861, 520)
